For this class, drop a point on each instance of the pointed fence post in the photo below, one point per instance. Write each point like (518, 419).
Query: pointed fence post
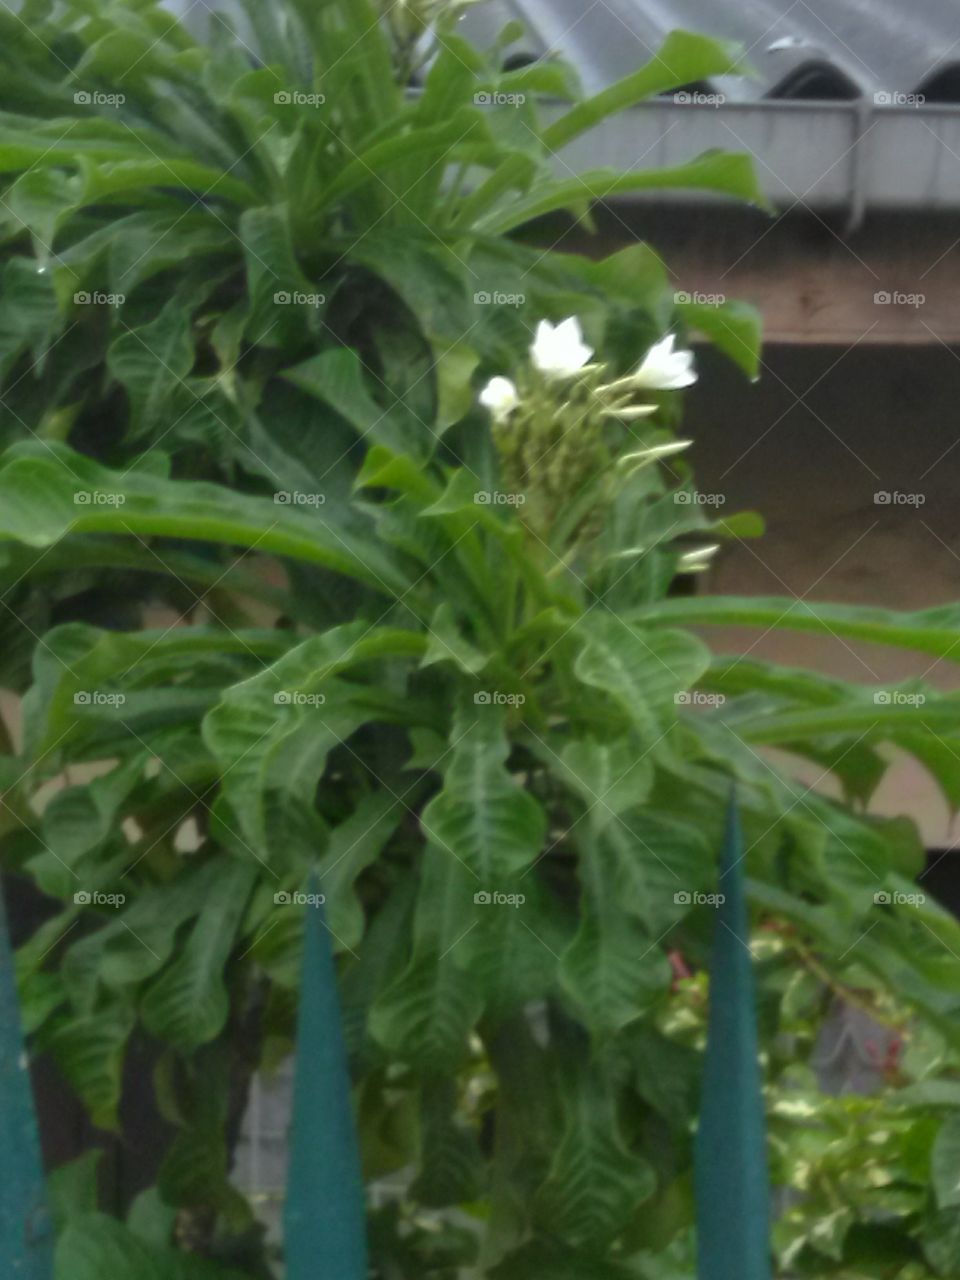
(732, 1182)
(26, 1232)
(325, 1219)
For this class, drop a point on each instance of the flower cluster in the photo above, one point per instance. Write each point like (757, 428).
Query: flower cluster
(559, 352)
(552, 427)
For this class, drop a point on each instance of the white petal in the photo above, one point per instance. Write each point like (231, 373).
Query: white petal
(559, 350)
(664, 369)
(500, 397)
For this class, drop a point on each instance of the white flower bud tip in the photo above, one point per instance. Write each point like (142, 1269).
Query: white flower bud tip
(559, 351)
(500, 397)
(664, 369)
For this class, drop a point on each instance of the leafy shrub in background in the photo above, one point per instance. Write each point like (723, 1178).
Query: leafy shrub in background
(244, 329)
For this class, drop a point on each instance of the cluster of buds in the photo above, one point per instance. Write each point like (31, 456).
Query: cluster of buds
(552, 425)
(559, 353)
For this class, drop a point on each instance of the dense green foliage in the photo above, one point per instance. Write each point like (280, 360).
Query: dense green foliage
(240, 347)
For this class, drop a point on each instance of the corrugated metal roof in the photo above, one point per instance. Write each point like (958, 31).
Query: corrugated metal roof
(869, 150)
(808, 49)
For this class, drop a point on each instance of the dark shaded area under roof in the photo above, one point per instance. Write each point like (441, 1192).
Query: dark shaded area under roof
(807, 49)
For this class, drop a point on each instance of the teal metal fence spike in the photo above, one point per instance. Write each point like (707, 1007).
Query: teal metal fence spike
(26, 1231)
(732, 1182)
(325, 1213)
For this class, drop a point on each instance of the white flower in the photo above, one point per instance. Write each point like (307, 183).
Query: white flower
(559, 350)
(664, 369)
(500, 397)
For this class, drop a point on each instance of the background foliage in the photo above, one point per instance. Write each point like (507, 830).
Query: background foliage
(367, 672)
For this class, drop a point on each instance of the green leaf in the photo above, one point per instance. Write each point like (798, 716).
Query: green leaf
(95, 1246)
(549, 1261)
(188, 1004)
(734, 327)
(79, 819)
(945, 1164)
(426, 1015)
(859, 718)
(274, 277)
(73, 1188)
(336, 377)
(89, 1050)
(76, 661)
(683, 58)
(609, 777)
(451, 79)
(353, 845)
(595, 1184)
(150, 1219)
(728, 173)
(136, 944)
(642, 668)
(451, 1166)
(615, 968)
(509, 941)
(28, 310)
(151, 362)
(39, 200)
(935, 631)
(352, 58)
(275, 731)
(482, 818)
(136, 175)
(402, 164)
(448, 644)
(39, 505)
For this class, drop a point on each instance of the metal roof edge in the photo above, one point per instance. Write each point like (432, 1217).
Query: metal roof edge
(851, 155)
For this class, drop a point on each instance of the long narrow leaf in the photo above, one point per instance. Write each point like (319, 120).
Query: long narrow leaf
(325, 1202)
(683, 58)
(724, 172)
(26, 1234)
(732, 1184)
(935, 631)
(49, 492)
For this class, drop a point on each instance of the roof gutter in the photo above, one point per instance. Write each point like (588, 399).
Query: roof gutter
(850, 157)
